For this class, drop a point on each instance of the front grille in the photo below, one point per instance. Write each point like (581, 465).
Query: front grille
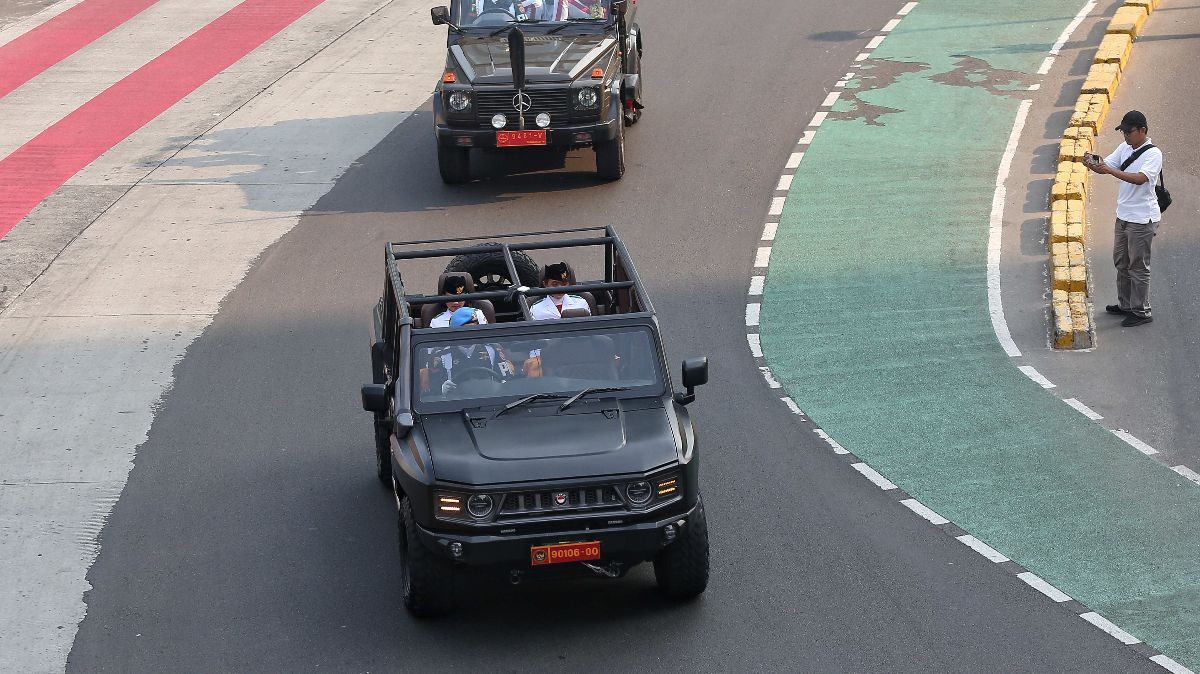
(556, 102)
(540, 503)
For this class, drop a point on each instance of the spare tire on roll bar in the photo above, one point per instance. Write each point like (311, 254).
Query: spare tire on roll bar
(489, 271)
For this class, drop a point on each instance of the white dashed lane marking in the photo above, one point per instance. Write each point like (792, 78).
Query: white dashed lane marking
(1188, 473)
(982, 548)
(1036, 376)
(831, 99)
(924, 511)
(1083, 409)
(756, 285)
(762, 257)
(752, 314)
(1042, 586)
(769, 231)
(874, 476)
(785, 183)
(1135, 443)
(793, 161)
(754, 339)
(1116, 632)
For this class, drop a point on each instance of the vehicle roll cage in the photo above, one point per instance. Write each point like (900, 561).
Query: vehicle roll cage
(619, 274)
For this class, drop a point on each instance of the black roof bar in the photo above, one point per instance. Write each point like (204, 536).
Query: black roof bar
(502, 294)
(490, 237)
(496, 247)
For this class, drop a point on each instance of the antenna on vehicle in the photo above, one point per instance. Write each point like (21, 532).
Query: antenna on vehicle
(516, 57)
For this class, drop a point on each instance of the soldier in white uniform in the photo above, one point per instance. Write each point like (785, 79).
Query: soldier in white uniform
(454, 285)
(552, 306)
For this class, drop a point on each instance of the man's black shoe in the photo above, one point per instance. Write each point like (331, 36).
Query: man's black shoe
(1116, 309)
(1133, 319)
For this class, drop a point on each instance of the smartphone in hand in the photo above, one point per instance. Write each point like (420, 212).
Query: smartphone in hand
(1090, 158)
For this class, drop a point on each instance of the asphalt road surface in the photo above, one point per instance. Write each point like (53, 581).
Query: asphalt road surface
(253, 536)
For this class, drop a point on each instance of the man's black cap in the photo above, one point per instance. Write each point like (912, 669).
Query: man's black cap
(454, 285)
(558, 272)
(1133, 120)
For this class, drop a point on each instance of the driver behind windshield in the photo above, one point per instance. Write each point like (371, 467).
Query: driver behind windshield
(518, 10)
(471, 360)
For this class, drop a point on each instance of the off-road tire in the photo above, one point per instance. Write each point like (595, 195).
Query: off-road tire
(454, 163)
(610, 155)
(383, 450)
(426, 581)
(681, 569)
(490, 272)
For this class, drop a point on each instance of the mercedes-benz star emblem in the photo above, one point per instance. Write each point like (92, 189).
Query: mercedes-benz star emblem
(522, 102)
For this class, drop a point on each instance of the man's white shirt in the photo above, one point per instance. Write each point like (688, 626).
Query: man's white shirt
(546, 309)
(442, 320)
(1137, 203)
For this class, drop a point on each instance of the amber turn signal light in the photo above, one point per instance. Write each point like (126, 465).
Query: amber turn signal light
(449, 77)
(597, 72)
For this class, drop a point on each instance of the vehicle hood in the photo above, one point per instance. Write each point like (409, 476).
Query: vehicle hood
(530, 444)
(548, 58)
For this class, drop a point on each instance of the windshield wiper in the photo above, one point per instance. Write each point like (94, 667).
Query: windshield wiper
(568, 23)
(510, 24)
(526, 399)
(591, 389)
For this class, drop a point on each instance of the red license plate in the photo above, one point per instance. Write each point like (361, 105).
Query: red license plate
(520, 138)
(540, 555)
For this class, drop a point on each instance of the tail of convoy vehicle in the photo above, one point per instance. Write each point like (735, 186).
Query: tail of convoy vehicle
(530, 448)
(547, 73)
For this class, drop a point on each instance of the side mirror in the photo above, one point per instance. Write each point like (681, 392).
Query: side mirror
(695, 373)
(440, 15)
(374, 397)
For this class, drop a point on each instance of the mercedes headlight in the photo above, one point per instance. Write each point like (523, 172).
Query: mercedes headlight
(479, 505)
(587, 98)
(639, 493)
(460, 101)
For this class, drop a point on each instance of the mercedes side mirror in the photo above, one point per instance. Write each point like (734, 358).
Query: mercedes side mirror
(440, 15)
(695, 373)
(374, 397)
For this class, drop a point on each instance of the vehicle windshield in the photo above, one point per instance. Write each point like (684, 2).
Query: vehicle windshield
(468, 13)
(481, 370)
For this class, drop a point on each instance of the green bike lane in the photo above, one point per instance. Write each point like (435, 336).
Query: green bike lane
(875, 320)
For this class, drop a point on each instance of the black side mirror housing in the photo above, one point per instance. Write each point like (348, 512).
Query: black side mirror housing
(695, 373)
(374, 397)
(440, 15)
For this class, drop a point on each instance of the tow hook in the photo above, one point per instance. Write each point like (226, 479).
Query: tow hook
(514, 576)
(613, 570)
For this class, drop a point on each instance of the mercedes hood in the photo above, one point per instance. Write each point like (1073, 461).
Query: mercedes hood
(548, 58)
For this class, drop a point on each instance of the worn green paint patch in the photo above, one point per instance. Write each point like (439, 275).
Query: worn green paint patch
(875, 320)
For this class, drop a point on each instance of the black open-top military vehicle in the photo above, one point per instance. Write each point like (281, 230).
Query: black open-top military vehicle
(530, 73)
(533, 447)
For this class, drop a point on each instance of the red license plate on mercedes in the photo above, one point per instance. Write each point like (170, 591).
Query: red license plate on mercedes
(564, 552)
(520, 138)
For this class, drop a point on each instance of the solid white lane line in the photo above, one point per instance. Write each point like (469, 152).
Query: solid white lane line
(982, 548)
(1187, 472)
(874, 476)
(1036, 376)
(818, 118)
(887, 27)
(995, 236)
(785, 183)
(771, 381)
(794, 160)
(837, 448)
(831, 99)
(875, 41)
(769, 231)
(752, 310)
(1084, 409)
(753, 338)
(776, 206)
(762, 257)
(791, 404)
(1042, 586)
(1066, 34)
(1170, 665)
(924, 511)
(756, 284)
(1104, 624)
(1134, 442)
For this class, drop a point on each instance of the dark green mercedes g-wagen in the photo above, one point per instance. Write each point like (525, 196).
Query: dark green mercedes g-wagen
(525, 447)
(537, 73)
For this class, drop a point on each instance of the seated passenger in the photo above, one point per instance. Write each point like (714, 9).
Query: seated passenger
(552, 306)
(517, 9)
(456, 285)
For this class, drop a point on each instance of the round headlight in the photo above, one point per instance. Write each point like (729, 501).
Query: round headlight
(459, 101)
(586, 97)
(543, 120)
(499, 121)
(639, 493)
(479, 505)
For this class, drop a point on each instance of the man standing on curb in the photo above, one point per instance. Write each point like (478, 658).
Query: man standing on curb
(1137, 164)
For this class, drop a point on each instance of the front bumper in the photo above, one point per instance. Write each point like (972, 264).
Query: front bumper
(563, 136)
(639, 541)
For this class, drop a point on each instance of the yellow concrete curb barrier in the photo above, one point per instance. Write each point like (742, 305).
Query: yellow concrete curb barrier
(1069, 308)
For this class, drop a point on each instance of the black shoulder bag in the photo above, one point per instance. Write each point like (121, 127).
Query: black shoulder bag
(1160, 187)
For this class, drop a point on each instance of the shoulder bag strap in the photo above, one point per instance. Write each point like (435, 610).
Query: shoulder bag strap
(1136, 153)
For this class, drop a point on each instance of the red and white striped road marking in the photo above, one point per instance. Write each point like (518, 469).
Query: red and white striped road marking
(33, 171)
